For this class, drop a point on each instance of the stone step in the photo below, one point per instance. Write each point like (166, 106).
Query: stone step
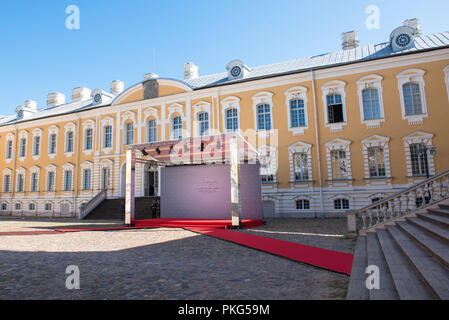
(387, 289)
(439, 220)
(430, 227)
(434, 275)
(407, 282)
(357, 288)
(438, 249)
(440, 212)
(444, 206)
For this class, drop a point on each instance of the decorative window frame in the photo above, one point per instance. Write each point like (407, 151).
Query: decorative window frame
(109, 164)
(69, 127)
(150, 114)
(300, 147)
(9, 137)
(21, 171)
(23, 135)
(21, 206)
(108, 121)
(303, 197)
(87, 165)
(264, 97)
(334, 87)
(48, 169)
(37, 170)
(89, 124)
(446, 79)
(418, 137)
(53, 130)
(338, 144)
(175, 109)
(4, 203)
(68, 167)
(416, 76)
(230, 103)
(273, 160)
(36, 133)
(27, 209)
(298, 92)
(200, 107)
(341, 196)
(377, 141)
(7, 172)
(371, 82)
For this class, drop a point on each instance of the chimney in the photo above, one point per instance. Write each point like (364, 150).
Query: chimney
(149, 76)
(117, 87)
(190, 71)
(31, 105)
(81, 94)
(415, 24)
(55, 99)
(350, 40)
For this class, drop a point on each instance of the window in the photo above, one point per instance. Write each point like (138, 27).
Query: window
(48, 206)
(68, 180)
(412, 99)
(3, 207)
(267, 178)
(36, 146)
(22, 147)
(297, 113)
(87, 179)
(302, 205)
(129, 134)
(52, 144)
(51, 181)
(69, 142)
(203, 124)
(34, 182)
(31, 207)
(334, 108)
(105, 178)
(152, 131)
(338, 164)
(107, 140)
(9, 149)
(232, 120)
(341, 204)
(300, 166)
(18, 206)
(263, 117)
(88, 134)
(371, 106)
(7, 183)
(419, 158)
(177, 127)
(376, 162)
(20, 182)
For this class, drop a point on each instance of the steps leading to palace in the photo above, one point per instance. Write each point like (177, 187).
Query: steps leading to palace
(110, 209)
(412, 255)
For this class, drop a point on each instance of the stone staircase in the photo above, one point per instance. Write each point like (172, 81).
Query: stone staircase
(412, 254)
(110, 209)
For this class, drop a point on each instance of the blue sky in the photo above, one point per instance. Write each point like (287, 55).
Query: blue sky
(118, 39)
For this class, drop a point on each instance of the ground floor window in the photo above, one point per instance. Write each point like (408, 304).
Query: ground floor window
(3, 207)
(31, 207)
(341, 204)
(267, 178)
(302, 204)
(18, 206)
(48, 206)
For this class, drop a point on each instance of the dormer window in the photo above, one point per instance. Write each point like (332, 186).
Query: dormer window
(237, 70)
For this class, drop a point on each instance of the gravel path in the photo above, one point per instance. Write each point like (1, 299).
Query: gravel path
(161, 264)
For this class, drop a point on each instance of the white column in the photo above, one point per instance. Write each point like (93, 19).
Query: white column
(130, 186)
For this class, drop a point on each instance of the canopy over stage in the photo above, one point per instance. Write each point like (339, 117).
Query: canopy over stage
(211, 178)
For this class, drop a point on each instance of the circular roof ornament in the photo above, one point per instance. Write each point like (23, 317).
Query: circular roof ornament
(97, 98)
(403, 40)
(236, 71)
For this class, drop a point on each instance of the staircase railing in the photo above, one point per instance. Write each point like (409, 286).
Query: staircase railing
(92, 204)
(388, 209)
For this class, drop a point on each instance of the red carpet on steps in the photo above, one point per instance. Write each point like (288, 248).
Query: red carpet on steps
(327, 259)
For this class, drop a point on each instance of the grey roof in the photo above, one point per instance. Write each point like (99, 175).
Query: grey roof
(359, 54)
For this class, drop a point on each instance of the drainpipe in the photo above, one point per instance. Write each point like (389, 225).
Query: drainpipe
(317, 137)
(75, 183)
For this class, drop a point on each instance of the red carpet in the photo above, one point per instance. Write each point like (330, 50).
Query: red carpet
(322, 258)
(185, 223)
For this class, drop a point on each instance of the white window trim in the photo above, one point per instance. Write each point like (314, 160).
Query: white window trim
(128, 116)
(174, 109)
(303, 197)
(299, 93)
(342, 196)
(37, 133)
(108, 164)
(9, 137)
(150, 114)
(87, 165)
(377, 141)
(273, 159)
(21, 171)
(417, 76)
(89, 124)
(230, 103)
(198, 108)
(48, 169)
(300, 147)
(7, 172)
(23, 135)
(418, 137)
(338, 144)
(68, 167)
(334, 87)
(371, 81)
(69, 127)
(35, 169)
(108, 121)
(264, 97)
(446, 79)
(53, 130)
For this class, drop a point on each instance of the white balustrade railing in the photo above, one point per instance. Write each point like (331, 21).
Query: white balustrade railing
(92, 204)
(422, 194)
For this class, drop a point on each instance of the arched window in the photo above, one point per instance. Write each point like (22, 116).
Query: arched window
(129, 134)
(48, 206)
(341, 204)
(232, 120)
(297, 113)
(31, 207)
(371, 107)
(412, 99)
(203, 124)
(177, 127)
(152, 131)
(335, 108)
(263, 117)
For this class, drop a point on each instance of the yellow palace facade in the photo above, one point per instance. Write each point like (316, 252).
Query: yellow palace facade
(335, 131)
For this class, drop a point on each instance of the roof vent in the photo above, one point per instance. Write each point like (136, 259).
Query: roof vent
(237, 70)
(190, 71)
(149, 76)
(29, 108)
(117, 87)
(55, 99)
(350, 40)
(80, 94)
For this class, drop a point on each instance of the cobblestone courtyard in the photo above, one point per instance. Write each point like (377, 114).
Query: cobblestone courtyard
(166, 263)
